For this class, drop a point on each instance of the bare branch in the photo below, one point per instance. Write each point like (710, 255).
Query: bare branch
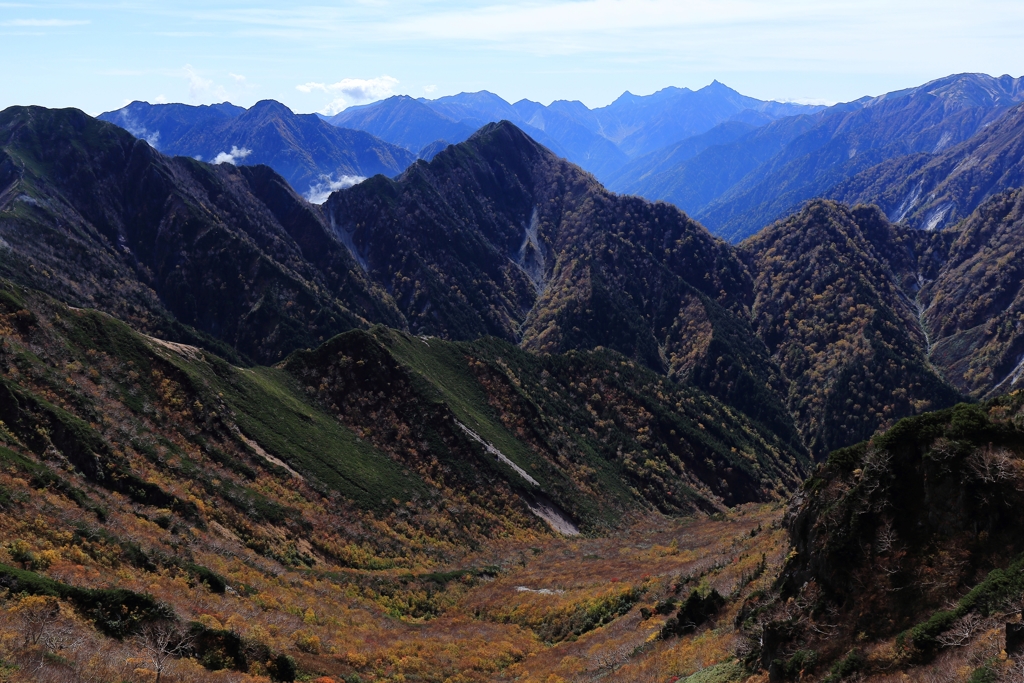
(961, 632)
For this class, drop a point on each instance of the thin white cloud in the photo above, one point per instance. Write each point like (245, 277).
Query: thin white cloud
(124, 119)
(808, 100)
(720, 36)
(585, 49)
(124, 72)
(196, 83)
(320, 191)
(429, 88)
(232, 157)
(508, 21)
(44, 23)
(200, 88)
(186, 34)
(350, 91)
(238, 78)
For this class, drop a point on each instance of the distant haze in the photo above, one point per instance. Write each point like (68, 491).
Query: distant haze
(325, 58)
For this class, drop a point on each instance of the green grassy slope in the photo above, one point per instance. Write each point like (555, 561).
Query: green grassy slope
(373, 419)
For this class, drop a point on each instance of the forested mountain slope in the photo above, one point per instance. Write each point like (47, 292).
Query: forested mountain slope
(495, 236)
(832, 301)
(350, 416)
(100, 219)
(499, 236)
(197, 252)
(478, 388)
(154, 479)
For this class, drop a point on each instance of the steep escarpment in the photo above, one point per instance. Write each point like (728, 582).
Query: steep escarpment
(906, 548)
(974, 306)
(937, 190)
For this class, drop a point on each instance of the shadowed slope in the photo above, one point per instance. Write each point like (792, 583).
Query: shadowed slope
(498, 236)
(103, 220)
(976, 303)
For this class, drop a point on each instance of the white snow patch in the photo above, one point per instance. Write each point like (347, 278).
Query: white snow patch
(542, 591)
(495, 452)
(346, 238)
(184, 350)
(267, 456)
(908, 203)
(943, 142)
(540, 506)
(1014, 375)
(968, 163)
(1017, 372)
(935, 217)
(322, 189)
(555, 518)
(531, 258)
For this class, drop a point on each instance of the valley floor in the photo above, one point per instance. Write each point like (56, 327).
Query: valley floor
(549, 609)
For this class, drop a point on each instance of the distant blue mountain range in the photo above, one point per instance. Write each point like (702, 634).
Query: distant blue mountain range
(734, 162)
(313, 156)
(598, 140)
(304, 150)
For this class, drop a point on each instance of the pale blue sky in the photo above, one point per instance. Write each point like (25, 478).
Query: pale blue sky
(321, 57)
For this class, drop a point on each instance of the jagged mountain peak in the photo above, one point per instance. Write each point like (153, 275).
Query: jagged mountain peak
(479, 96)
(499, 236)
(978, 90)
(963, 90)
(404, 121)
(270, 106)
(625, 97)
(717, 86)
(504, 131)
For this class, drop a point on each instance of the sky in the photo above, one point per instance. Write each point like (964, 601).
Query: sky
(98, 55)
